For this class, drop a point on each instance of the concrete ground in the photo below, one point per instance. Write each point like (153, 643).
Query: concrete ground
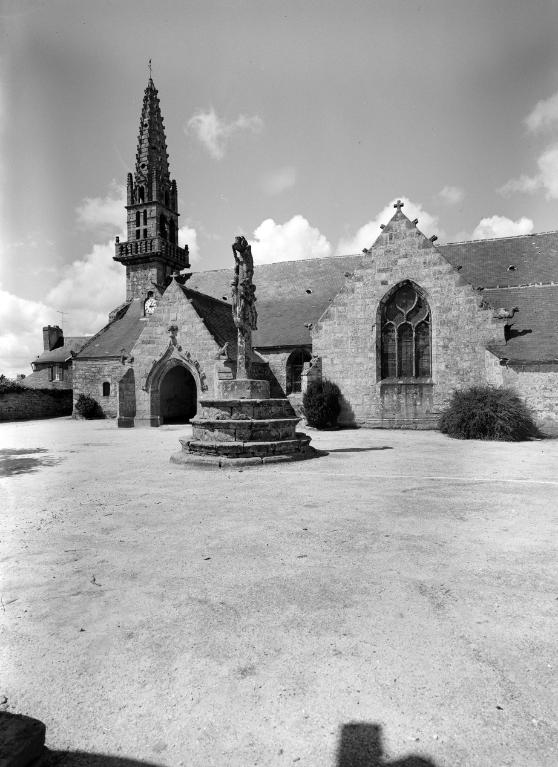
(392, 603)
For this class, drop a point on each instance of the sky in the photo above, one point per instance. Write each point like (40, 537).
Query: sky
(295, 123)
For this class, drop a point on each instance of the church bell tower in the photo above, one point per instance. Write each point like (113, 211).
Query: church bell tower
(151, 252)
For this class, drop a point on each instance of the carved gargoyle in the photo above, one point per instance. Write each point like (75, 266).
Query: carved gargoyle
(505, 314)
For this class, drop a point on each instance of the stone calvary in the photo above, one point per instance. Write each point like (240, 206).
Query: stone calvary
(242, 425)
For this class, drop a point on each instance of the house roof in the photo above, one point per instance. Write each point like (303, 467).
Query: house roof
(507, 261)
(290, 295)
(121, 333)
(61, 353)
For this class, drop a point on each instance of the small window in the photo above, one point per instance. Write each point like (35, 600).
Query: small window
(106, 389)
(137, 218)
(137, 234)
(144, 218)
(56, 373)
(145, 234)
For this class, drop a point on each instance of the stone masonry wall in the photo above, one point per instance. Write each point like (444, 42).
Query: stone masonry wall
(156, 348)
(346, 335)
(277, 360)
(140, 279)
(89, 376)
(40, 379)
(538, 386)
(33, 403)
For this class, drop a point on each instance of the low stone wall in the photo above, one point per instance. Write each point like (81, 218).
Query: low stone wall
(34, 403)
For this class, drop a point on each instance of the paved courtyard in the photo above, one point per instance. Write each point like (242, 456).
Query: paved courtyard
(392, 603)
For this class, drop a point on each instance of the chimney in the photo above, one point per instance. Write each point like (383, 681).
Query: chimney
(53, 337)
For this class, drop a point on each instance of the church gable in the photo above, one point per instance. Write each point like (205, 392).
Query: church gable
(177, 323)
(404, 331)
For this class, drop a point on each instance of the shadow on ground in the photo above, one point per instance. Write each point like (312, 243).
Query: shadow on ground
(358, 449)
(23, 460)
(360, 745)
(82, 759)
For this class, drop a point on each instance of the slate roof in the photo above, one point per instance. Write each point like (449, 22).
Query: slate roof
(533, 335)
(290, 294)
(216, 314)
(121, 333)
(61, 353)
(486, 262)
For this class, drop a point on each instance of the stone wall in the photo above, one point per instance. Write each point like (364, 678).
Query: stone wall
(537, 385)
(157, 350)
(89, 376)
(34, 403)
(346, 337)
(40, 379)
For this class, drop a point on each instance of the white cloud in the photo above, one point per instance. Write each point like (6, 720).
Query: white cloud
(546, 178)
(187, 235)
(544, 114)
(104, 215)
(91, 287)
(291, 241)
(501, 226)
(368, 233)
(22, 324)
(452, 195)
(215, 133)
(279, 181)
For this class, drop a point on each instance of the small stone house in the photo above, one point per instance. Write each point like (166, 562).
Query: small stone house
(53, 368)
(398, 327)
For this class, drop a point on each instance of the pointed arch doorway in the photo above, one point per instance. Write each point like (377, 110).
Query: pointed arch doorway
(177, 395)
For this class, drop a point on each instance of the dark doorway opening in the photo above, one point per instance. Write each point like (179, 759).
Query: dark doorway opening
(178, 396)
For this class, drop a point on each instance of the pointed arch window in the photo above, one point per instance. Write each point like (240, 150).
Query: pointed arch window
(405, 338)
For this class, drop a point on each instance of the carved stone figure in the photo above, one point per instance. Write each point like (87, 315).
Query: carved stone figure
(504, 314)
(243, 303)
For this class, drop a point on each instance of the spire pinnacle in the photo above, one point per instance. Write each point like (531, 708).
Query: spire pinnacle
(149, 67)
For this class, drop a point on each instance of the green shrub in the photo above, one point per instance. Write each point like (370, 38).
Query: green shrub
(486, 412)
(321, 404)
(87, 407)
(7, 386)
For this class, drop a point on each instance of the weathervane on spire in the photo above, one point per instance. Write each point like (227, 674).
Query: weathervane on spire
(149, 65)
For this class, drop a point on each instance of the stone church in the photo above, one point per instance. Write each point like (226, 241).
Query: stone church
(398, 327)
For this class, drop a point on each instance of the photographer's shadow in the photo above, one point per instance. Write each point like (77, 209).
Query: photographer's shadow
(360, 745)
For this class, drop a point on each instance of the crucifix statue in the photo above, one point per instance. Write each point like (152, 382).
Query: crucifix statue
(243, 304)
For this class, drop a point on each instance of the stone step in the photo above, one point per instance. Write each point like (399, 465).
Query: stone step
(247, 449)
(241, 430)
(245, 409)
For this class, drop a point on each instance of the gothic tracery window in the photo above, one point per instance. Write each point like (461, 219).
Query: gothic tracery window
(405, 334)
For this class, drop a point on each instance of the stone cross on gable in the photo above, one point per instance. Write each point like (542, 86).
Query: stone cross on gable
(398, 205)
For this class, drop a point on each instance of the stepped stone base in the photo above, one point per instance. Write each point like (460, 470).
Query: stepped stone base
(244, 427)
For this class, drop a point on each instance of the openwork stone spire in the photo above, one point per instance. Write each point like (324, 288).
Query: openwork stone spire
(152, 160)
(151, 252)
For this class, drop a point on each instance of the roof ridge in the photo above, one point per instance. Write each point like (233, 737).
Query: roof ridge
(108, 325)
(492, 239)
(523, 285)
(206, 295)
(284, 261)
